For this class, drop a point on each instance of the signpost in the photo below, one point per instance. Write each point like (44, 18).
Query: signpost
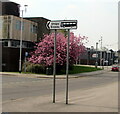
(62, 24)
(57, 25)
(67, 66)
(54, 67)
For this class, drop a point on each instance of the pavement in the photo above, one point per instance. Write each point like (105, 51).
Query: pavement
(106, 69)
(87, 100)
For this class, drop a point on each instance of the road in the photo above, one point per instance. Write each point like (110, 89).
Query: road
(19, 88)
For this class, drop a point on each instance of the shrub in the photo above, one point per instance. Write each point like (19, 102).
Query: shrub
(34, 68)
(44, 50)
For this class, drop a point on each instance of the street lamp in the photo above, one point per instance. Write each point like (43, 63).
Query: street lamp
(101, 52)
(96, 63)
(21, 35)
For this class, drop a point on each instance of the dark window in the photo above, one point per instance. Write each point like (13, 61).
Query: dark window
(5, 43)
(15, 43)
(24, 44)
(29, 45)
(33, 29)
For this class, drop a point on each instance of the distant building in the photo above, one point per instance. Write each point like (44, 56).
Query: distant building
(103, 57)
(119, 56)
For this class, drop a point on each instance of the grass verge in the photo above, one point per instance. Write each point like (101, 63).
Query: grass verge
(73, 70)
(79, 69)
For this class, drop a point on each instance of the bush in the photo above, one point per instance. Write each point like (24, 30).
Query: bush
(34, 68)
(44, 50)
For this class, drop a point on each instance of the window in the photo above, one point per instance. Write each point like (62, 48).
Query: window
(18, 25)
(5, 43)
(23, 25)
(25, 44)
(33, 29)
(29, 45)
(15, 43)
(1, 23)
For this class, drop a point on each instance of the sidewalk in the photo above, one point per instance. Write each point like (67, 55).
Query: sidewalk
(106, 69)
(98, 99)
(102, 98)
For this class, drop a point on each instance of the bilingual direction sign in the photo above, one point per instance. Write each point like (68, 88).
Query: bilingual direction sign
(62, 24)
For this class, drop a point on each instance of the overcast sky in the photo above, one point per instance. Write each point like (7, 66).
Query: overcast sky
(96, 18)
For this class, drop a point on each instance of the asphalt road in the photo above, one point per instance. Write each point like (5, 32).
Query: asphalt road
(20, 87)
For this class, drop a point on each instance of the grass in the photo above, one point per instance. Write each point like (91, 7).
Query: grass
(79, 69)
(73, 70)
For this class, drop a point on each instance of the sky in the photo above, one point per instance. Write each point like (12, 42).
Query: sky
(96, 18)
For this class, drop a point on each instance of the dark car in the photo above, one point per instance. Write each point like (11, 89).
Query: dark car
(115, 68)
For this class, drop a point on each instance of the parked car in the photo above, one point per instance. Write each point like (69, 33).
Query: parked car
(115, 68)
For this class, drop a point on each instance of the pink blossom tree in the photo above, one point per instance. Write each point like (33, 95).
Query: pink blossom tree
(44, 52)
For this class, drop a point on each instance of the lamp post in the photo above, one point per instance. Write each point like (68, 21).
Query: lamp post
(96, 63)
(21, 35)
(101, 53)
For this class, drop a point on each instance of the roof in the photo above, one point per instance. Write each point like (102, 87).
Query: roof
(5, 1)
(8, 1)
(37, 18)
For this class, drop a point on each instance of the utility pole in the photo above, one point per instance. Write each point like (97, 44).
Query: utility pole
(107, 59)
(20, 59)
(104, 57)
(112, 57)
(87, 57)
(21, 35)
(96, 63)
(101, 53)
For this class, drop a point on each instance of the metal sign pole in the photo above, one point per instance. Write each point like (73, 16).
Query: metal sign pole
(67, 66)
(54, 69)
(59, 25)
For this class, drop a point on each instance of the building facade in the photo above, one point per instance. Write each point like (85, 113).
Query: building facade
(10, 29)
(102, 57)
(33, 30)
(119, 56)
(9, 8)
(41, 29)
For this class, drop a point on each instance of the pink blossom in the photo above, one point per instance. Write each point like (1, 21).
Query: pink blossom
(44, 50)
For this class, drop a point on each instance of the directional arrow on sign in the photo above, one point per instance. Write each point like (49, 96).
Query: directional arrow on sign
(53, 24)
(48, 25)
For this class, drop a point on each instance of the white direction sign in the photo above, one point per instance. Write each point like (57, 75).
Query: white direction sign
(62, 24)
(95, 55)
